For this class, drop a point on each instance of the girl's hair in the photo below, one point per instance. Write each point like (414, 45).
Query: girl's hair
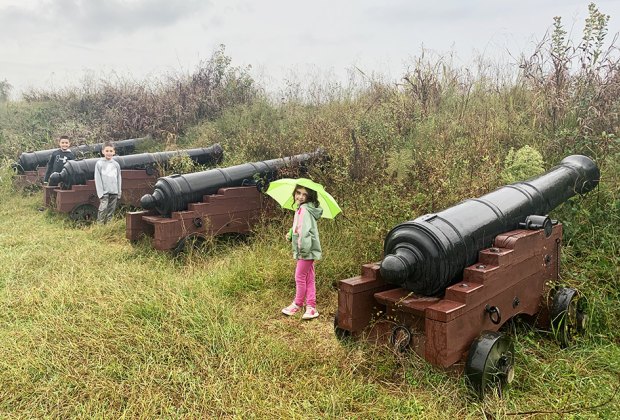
(312, 195)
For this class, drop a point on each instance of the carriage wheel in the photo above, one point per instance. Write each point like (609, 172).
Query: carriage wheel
(193, 241)
(84, 213)
(568, 315)
(341, 333)
(400, 338)
(490, 363)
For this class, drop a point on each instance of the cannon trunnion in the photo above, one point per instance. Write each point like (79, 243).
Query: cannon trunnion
(449, 281)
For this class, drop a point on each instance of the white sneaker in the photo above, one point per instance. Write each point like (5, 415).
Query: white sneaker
(291, 309)
(310, 313)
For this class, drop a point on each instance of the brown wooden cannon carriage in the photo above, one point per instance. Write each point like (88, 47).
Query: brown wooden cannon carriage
(185, 209)
(80, 202)
(449, 281)
(30, 179)
(230, 210)
(73, 190)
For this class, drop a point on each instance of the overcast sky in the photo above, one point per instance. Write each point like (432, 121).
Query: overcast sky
(52, 43)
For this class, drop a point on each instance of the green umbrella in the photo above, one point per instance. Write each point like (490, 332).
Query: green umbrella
(281, 190)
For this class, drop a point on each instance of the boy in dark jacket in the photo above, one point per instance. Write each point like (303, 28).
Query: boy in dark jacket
(59, 157)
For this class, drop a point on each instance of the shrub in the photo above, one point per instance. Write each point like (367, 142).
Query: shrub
(522, 164)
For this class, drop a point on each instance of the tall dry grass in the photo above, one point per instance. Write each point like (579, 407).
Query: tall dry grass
(92, 326)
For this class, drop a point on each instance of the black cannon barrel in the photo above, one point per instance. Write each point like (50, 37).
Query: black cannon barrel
(30, 161)
(429, 253)
(77, 172)
(174, 193)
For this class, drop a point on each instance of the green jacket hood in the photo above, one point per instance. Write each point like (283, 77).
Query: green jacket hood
(316, 212)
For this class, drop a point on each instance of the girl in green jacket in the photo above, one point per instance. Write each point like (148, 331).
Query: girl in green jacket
(304, 237)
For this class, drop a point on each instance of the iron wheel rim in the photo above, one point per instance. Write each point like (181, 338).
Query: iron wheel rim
(490, 363)
(569, 316)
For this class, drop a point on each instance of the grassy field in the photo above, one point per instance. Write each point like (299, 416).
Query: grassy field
(93, 326)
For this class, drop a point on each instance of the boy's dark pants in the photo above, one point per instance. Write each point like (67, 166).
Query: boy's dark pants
(107, 205)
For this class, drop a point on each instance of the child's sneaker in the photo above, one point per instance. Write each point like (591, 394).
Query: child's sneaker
(310, 313)
(291, 309)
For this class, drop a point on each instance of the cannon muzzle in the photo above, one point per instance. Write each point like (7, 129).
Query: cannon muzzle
(429, 253)
(175, 192)
(54, 179)
(30, 161)
(77, 172)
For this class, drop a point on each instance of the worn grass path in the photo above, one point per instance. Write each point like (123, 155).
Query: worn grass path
(93, 326)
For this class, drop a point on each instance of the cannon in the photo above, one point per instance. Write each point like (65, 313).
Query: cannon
(448, 281)
(77, 193)
(77, 172)
(426, 254)
(29, 161)
(30, 166)
(191, 207)
(174, 193)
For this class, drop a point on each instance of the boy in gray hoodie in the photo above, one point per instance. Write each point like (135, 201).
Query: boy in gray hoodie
(108, 183)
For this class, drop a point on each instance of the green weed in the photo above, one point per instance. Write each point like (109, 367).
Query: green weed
(93, 326)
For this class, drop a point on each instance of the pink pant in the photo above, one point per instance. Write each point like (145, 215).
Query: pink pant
(304, 283)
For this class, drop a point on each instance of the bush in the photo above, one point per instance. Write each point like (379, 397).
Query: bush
(523, 164)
